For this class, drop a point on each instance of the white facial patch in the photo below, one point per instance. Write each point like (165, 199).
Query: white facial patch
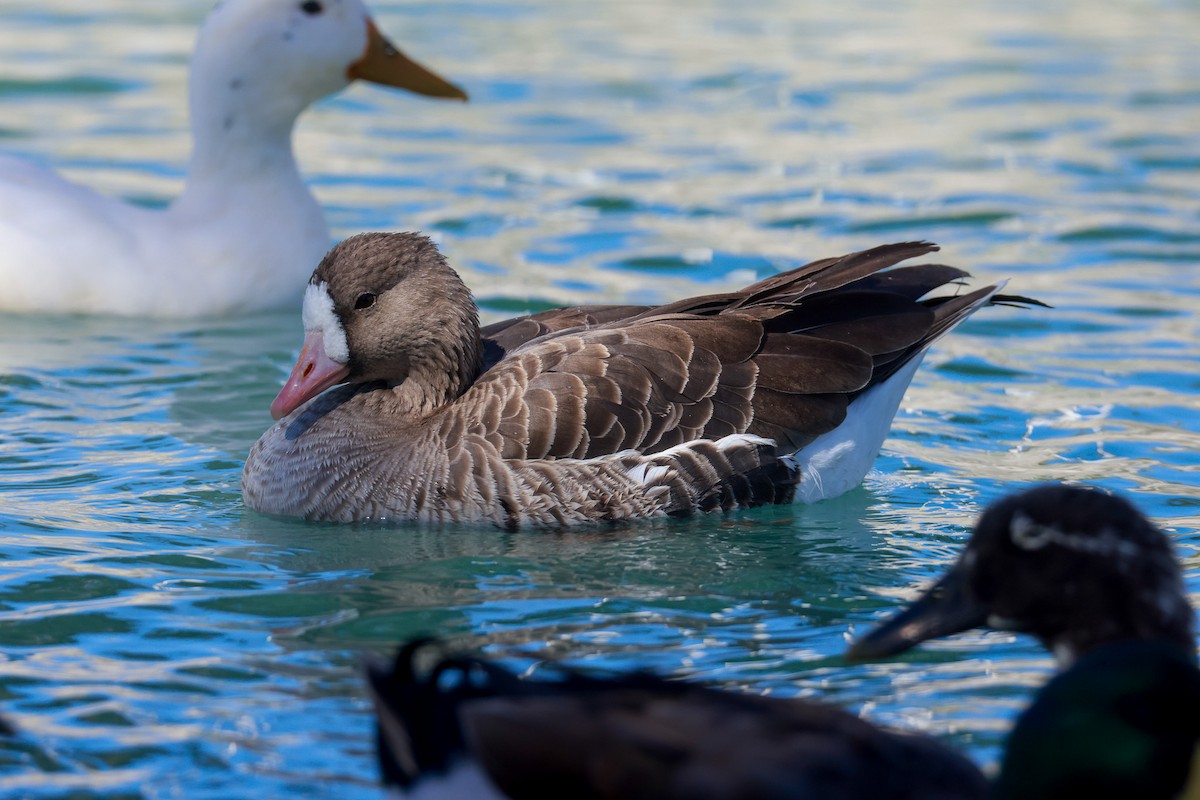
(1030, 535)
(318, 315)
(1065, 655)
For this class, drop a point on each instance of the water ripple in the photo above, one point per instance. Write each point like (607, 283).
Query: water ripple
(157, 640)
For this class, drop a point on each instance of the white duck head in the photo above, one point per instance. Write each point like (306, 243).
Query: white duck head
(259, 63)
(245, 232)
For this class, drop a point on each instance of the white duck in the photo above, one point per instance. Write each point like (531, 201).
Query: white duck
(245, 233)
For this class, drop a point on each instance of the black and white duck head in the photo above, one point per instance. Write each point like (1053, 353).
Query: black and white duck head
(265, 61)
(1074, 566)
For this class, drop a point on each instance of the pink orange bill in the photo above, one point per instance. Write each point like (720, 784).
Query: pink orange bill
(314, 373)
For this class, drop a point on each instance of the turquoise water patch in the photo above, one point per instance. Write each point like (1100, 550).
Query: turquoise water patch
(160, 640)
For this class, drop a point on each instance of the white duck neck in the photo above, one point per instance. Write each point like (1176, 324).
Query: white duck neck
(240, 134)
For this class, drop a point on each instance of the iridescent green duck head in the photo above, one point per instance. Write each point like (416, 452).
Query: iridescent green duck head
(1122, 723)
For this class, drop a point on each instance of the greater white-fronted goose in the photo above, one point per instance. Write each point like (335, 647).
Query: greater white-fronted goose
(468, 728)
(783, 390)
(245, 231)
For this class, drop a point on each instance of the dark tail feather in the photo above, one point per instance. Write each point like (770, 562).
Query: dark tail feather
(1017, 301)
(833, 272)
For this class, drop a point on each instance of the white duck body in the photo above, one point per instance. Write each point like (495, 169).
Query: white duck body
(245, 232)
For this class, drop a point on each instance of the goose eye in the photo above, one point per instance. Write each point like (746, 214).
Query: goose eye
(365, 300)
(311, 7)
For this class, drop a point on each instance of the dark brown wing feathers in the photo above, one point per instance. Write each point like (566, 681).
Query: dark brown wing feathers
(782, 358)
(811, 365)
(510, 333)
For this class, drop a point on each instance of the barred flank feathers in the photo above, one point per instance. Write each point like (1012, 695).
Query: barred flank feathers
(739, 471)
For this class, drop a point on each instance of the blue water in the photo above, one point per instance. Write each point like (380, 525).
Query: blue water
(159, 640)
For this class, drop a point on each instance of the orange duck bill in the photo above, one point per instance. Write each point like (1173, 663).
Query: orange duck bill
(383, 63)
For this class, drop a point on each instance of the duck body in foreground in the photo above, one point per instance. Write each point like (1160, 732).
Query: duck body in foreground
(782, 391)
(467, 727)
(245, 231)
(1121, 723)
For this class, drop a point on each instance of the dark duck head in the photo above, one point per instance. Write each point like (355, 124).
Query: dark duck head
(1097, 583)
(1074, 566)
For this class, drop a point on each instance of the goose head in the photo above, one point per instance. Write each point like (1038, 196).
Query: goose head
(1073, 566)
(265, 61)
(386, 307)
